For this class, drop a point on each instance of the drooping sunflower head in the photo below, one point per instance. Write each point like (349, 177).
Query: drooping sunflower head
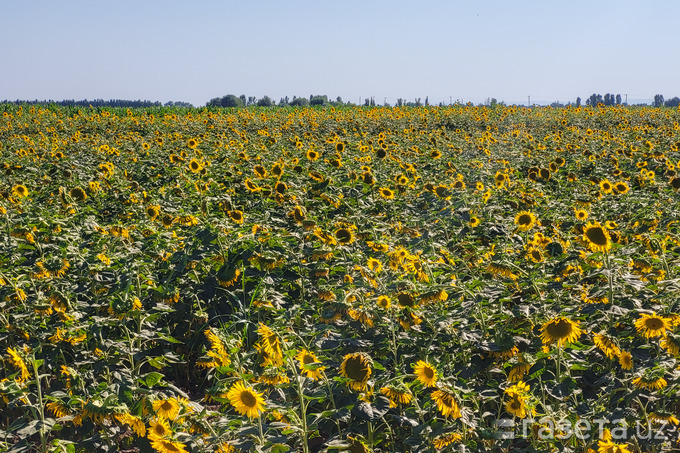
(597, 237)
(525, 220)
(153, 211)
(306, 359)
(246, 400)
(78, 194)
(236, 216)
(425, 373)
(560, 330)
(446, 402)
(652, 325)
(357, 368)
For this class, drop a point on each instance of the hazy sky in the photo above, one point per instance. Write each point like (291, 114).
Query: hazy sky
(193, 51)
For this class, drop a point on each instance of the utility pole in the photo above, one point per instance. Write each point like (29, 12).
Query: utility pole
(384, 101)
(529, 102)
(626, 98)
(450, 97)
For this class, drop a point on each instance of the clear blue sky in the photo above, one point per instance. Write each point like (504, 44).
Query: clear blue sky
(192, 51)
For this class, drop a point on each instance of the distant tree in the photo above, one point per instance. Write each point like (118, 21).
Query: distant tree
(318, 100)
(658, 100)
(265, 102)
(578, 102)
(618, 99)
(674, 102)
(338, 100)
(230, 100)
(595, 99)
(299, 102)
(418, 103)
(427, 100)
(243, 99)
(400, 102)
(367, 102)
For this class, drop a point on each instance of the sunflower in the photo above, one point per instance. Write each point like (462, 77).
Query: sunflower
(671, 344)
(260, 171)
(445, 440)
(166, 408)
(195, 166)
(281, 187)
(626, 360)
(357, 368)
(535, 255)
(159, 428)
(597, 237)
(153, 211)
(192, 143)
(663, 416)
(446, 402)
(518, 371)
(312, 155)
(19, 363)
(397, 395)
(20, 191)
(246, 400)
(651, 326)
(650, 382)
(581, 214)
(367, 178)
(516, 406)
(386, 193)
(344, 236)
(236, 216)
(608, 446)
(78, 194)
(306, 358)
(560, 329)
(525, 220)
(500, 179)
(621, 188)
(426, 373)
(339, 147)
(251, 186)
(384, 302)
(606, 345)
(606, 186)
(168, 446)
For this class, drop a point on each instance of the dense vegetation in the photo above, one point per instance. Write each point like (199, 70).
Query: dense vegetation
(370, 279)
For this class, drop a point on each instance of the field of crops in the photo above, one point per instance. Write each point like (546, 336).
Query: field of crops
(361, 279)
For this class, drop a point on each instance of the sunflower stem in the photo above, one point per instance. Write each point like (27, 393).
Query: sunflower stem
(259, 422)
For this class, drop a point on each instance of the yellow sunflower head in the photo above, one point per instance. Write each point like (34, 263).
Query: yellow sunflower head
(560, 330)
(597, 237)
(357, 368)
(652, 325)
(246, 400)
(525, 220)
(425, 373)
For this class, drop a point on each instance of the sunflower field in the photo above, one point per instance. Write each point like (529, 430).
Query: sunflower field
(339, 279)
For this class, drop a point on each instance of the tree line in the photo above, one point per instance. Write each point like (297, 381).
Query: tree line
(103, 103)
